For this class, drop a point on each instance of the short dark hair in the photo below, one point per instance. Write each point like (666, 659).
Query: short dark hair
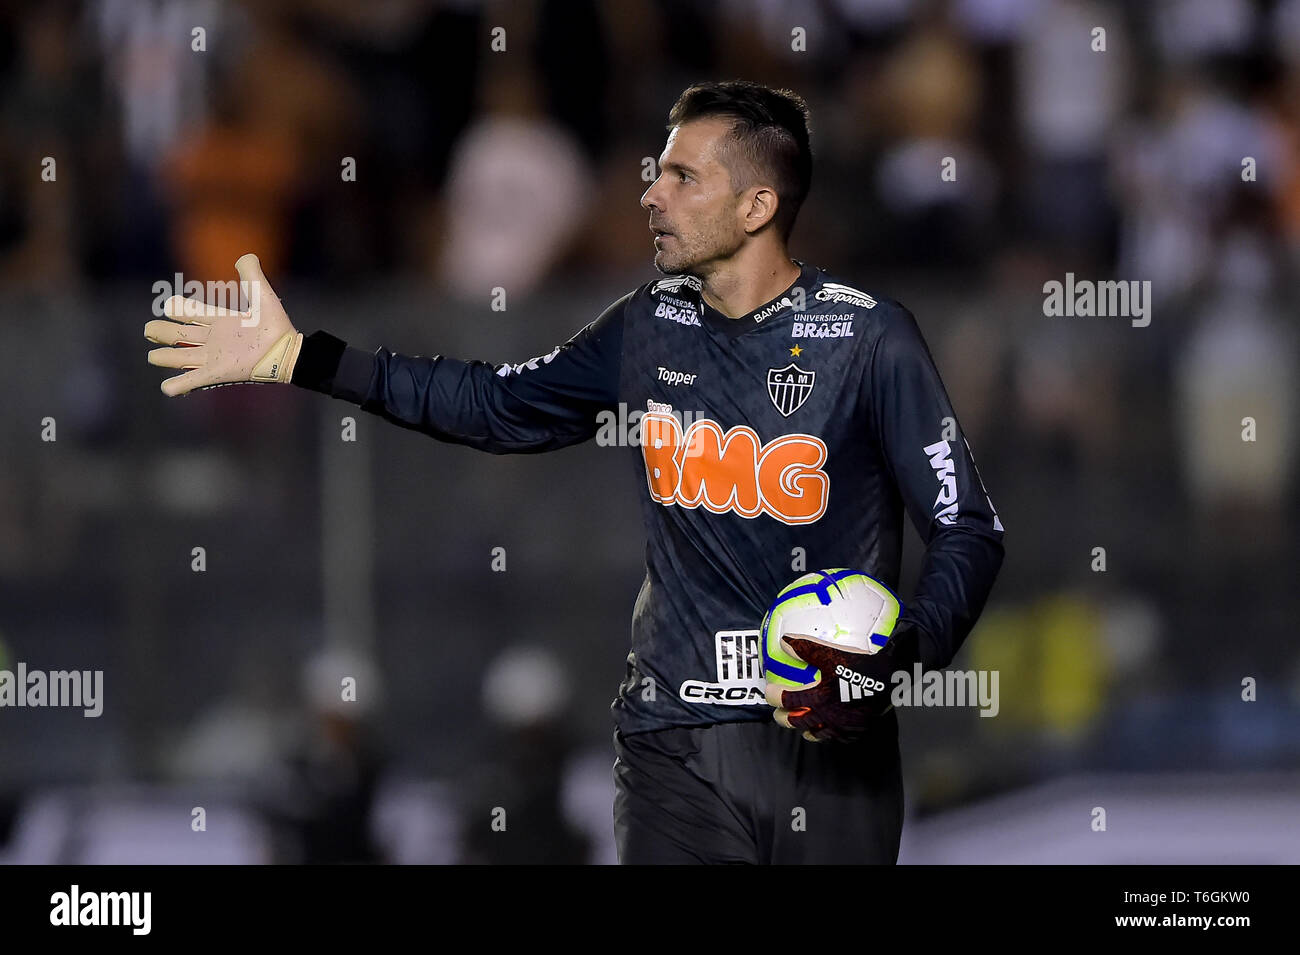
(771, 137)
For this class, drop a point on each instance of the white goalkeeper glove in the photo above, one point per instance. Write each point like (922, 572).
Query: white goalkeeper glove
(218, 346)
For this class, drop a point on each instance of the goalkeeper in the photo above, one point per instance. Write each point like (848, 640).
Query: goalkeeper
(783, 410)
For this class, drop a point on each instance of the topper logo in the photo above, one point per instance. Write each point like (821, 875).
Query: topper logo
(734, 471)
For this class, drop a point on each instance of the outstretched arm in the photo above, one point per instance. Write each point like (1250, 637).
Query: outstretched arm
(546, 403)
(542, 404)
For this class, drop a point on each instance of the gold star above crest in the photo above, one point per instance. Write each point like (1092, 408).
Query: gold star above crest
(796, 351)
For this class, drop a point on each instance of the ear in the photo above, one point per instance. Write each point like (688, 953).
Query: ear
(760, 208)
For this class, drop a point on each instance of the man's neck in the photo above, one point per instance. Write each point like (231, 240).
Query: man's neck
(744, 283)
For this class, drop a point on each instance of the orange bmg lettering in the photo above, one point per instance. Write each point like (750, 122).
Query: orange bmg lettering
(734, 471)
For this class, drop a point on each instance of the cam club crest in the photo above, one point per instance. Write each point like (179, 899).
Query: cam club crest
(789, 387)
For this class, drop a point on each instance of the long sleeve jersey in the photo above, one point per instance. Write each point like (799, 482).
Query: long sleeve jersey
(794, 436)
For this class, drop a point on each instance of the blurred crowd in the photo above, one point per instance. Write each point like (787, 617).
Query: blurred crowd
(1147, 476)
(503, 141)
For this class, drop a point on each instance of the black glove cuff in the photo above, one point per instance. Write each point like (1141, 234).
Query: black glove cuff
(318, 361)
(905, 645)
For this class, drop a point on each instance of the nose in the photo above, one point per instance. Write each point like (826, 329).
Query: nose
(649, 202)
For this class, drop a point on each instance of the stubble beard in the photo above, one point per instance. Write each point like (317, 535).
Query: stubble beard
(691, 258)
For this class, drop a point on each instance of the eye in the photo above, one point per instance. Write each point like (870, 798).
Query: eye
(684, 177)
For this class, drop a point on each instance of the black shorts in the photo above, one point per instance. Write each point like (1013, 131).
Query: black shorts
(756, 793)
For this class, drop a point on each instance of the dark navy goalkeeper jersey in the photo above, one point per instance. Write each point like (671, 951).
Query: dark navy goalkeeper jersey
(788, 440)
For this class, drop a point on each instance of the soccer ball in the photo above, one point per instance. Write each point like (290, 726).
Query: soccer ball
(839, 606)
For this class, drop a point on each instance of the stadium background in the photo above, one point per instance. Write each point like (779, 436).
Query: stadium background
(522, 169)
